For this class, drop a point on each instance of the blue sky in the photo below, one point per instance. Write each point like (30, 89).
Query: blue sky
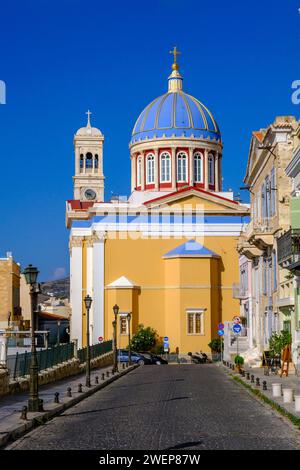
(59, 58)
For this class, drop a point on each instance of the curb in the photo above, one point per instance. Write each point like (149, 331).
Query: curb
(261, 397)
(42, 418)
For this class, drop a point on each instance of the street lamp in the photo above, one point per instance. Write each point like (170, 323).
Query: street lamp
(129, 339)
(116, 311)
(88, 302)
(34, 402)
(58, 336)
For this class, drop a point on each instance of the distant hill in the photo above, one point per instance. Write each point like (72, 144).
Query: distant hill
(59, 288)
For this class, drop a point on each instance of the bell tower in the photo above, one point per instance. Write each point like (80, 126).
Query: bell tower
(89, 178)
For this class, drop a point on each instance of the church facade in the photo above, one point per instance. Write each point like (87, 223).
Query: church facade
(167, 254)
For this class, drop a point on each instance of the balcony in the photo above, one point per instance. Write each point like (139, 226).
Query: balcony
(288, 250)
(262, 234)
(245, 247)
(239, 292)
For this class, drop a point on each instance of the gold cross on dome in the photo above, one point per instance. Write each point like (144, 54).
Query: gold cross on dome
(175, 53)
(88, 115)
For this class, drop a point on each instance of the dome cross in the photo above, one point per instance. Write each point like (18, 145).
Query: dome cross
(175, 53)
(88, 115)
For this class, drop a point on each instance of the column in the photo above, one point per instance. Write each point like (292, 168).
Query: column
(77, 160)
(133, 171)
(174, 172)
(98, 286)
(191, 165)
(220, 170)
(206, 169)
(143, 171)
(217, 181)
(156, 169)
(76, 289)
(89, 281)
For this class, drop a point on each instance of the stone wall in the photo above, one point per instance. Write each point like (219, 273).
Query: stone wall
(61, 371)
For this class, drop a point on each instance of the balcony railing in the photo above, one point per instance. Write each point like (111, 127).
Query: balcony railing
(288, 248)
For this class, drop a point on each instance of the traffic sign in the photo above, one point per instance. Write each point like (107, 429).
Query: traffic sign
(100, 339)
(236, 328)
(220, 332)
(236, 319)
(166, 338)
(221, 326)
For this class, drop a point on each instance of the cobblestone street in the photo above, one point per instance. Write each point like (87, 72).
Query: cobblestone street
(167, 408)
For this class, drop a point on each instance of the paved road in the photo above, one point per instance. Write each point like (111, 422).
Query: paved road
(164, 408)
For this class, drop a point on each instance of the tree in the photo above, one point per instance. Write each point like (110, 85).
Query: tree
(279, 340)
(144, 339)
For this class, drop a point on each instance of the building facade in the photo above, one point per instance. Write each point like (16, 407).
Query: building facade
(272, 305)
(10, 310)
(289, 248)
(167, 254)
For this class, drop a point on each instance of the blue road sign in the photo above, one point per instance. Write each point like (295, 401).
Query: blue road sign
(237, 328)
(221, 326)
(220, 332)
(166, 338)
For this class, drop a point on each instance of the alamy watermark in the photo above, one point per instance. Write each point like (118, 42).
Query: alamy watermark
(2, 92)
(296, 94)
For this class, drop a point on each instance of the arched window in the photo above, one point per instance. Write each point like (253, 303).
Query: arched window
(139, 172)
(165, 167)
(96, 161)
(89, 160)
(150, 168)
(81, 161)
(198, 172)
(181, 167)
(211, 169)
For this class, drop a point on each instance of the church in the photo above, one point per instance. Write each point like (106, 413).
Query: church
(167, 253)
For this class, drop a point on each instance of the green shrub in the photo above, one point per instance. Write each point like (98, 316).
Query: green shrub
(239, 360)
(215, 345)
(144, 340)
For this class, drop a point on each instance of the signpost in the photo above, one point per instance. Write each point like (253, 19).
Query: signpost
(166, 344)
(221, 333)
(100, 339)
(236, 328)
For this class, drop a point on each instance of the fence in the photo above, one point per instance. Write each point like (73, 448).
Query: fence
(19, 364)
(95, 351)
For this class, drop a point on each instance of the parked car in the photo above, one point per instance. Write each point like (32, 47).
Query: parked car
(155, 359)
(136, 358)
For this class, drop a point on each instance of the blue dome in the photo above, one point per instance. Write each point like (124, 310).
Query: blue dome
(175, 114)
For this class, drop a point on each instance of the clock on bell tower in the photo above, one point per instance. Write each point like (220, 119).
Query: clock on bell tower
(89, 178)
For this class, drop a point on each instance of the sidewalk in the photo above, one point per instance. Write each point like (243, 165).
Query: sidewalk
(11, 424)
(292, 381)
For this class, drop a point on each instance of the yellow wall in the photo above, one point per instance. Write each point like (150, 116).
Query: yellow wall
(166, 286)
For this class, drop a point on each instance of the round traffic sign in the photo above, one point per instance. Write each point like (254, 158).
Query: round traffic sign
(236, 328)
(220, 332)
(236, 319)
(100, 339)
(166, 338)
(221, 326)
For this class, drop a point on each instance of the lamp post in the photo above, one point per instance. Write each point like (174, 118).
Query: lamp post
(58, 336)
(129, 339)
(34, 402)
(116, 311)
(88, 302)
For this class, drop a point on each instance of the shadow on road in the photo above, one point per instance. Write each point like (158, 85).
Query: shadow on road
(122, 406)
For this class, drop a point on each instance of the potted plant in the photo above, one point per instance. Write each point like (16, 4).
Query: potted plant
(239, 362)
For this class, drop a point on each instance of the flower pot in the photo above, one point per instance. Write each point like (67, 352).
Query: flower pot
(276, 389)
(288, 395)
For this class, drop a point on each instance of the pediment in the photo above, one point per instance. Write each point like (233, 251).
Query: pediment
(196, 199)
